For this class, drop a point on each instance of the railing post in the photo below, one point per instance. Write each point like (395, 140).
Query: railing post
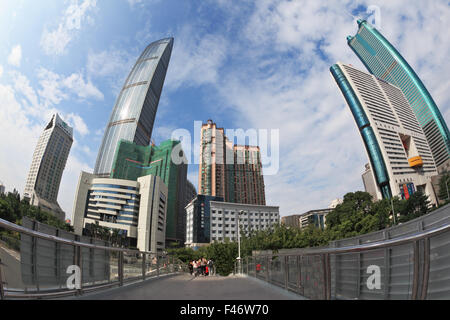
(416, 270)
(78, 262)
(2, 292)
(426, 268)
(286, 272)
(267, 268)
(157, 265)
(246, 259)
(143, 266)
(121, 268)
(327, 276)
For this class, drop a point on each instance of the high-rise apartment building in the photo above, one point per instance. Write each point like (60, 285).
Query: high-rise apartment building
(230, 171)
(382, 60)
(133, 161)
(47, 166)
(400, 158)
(135, 110)
(137, 208)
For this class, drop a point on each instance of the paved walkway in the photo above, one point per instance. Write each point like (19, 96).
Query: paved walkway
(186, 287)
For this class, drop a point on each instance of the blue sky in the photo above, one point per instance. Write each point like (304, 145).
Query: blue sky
(245, 64)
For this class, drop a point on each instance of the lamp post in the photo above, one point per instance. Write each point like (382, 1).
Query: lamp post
(393, 213)
(239, 242)
(446, 185)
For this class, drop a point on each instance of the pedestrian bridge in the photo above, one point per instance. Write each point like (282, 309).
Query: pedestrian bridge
(409, 261)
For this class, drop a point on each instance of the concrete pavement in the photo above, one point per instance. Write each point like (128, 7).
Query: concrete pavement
(187, 287)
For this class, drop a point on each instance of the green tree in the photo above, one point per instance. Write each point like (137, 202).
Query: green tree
(444, 186)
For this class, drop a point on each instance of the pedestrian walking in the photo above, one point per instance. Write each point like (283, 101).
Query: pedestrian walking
(195, 268)
(191, 267)
(210, 264)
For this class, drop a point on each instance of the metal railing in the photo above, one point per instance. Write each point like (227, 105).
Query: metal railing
(415, 266)
(34, 264)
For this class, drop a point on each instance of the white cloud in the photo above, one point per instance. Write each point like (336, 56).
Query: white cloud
(113, 65)
(1, 71)
(77, 123)
(196, 59)
(55, 42)
(15, 56)
(56, 88)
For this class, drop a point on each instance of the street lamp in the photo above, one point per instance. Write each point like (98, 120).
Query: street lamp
(446, 185)
(239, 241)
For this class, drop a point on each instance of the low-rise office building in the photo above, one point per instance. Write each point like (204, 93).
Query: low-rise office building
(314, 217)
(136, 208)
(212, 220)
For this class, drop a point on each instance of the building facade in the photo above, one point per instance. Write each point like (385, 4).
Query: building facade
(317, 218)
(2, 188)
(225, 215)
(292, 221)
(135, 110)
(136, 208)
(400, 158)
(47, 166)
(382, 60)
(198, 221)
(133, 161)
(191, 192)
(369, 184)
(210, 219)
(231, 171)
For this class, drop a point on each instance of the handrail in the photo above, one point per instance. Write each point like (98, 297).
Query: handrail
(14, 227)
(370, 246)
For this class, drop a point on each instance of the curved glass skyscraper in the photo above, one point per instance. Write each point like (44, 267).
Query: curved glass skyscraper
(135, 109)
(386, 63)
(400, 158)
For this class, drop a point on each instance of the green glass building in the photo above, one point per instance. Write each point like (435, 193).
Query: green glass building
(132, 161)
(385, 62)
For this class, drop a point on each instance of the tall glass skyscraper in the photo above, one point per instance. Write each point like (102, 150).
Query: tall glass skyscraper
(386, 63)
(135, 109)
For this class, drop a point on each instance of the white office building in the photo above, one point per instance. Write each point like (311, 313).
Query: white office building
(47, 166)
(401, 162)
(137, 209)
(225, 215)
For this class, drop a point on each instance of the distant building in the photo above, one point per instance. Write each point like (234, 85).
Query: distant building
(314, 217)
(233, 172)
(47, 166)
(209, 219)
(369, 184)
(335, 203)
(2, 188)
(191, 193)
(136, 208)
(132, 161)
(292, 221)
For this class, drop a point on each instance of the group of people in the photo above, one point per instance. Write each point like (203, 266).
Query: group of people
(201, 267)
